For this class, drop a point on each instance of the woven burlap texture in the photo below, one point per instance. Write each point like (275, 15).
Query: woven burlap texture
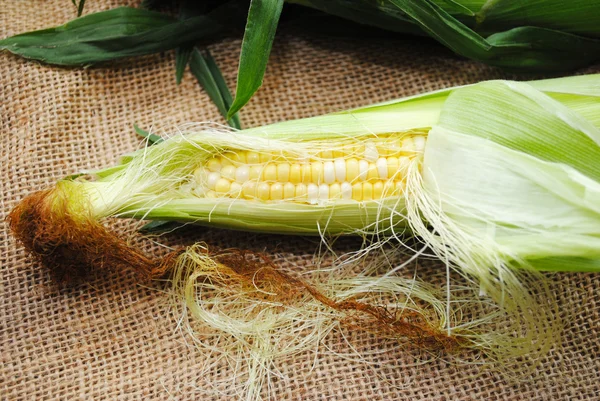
(114, 339)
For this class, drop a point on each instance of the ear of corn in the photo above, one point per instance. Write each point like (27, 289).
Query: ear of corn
(498, 179)
(489, 174)
(514, 163)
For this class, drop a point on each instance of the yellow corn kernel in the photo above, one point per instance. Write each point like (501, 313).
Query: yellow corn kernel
(316, 172)
(392, 166)
(335, 191)
(403, 163)
(326, 154)
(270, 172)
(255, 172)
(352, 169)
(377, 190)
(390, 147)
(338, 154)
(289, 190)
(264, 157)
(276, 191)
(372, 173)
(226, 159)
(249, 189)
(283, 172)
(367, 191)
(228, 172)
(235, 190)
(238, 158)
(357, 192)
(213, 164)
(388, 189)
(301, 193)
(263, 191)
(222, 186)
(295, 174)
(306, 173)
(252, 158)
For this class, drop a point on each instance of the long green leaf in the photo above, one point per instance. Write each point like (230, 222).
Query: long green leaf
(151, 138)
(536, 35)
(182, 58)
(256, 47)
(234, 121)
(109, 35)
(79, 6)
(525, 47)
(210, 78)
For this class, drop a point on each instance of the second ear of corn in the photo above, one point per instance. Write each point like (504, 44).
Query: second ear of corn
(497, 172)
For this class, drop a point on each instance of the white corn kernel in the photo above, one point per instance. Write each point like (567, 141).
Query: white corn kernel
(328, 172)
(312, 192)
(339, 165)
(242, 174)
(211, 180)
(323, 192)
(346, 190)
(363, 170)
(371, 153)
(382, 169)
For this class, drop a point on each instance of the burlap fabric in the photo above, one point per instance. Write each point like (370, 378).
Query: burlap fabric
(114, 339)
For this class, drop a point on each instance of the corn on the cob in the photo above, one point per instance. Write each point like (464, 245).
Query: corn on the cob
(481, 164)
(492, 177)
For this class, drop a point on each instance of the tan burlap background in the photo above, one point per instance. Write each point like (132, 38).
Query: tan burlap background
(116, 340)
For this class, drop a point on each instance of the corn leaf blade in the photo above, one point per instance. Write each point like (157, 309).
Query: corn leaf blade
(263, 17)
(212, 81)
(182, 58)
(109, 35)
(151, 138)
(526, 47)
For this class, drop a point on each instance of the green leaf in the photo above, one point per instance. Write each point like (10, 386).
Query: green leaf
(109, 35)
(151, 138)
(535, 35)
(527, 47)
(182, 58)
(263, 17)
(210, 78)
(79, 6)
(157, 226)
